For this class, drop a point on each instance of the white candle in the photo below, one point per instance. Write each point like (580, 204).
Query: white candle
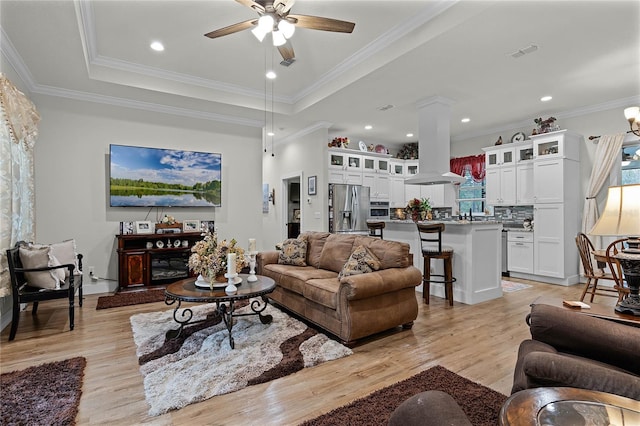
(252, 245)
(231, 263)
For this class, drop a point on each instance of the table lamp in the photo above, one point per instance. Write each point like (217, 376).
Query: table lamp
(621, 217)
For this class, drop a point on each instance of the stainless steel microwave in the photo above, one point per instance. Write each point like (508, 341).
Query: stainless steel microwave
(379, 210)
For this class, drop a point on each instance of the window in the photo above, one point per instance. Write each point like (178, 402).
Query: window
(630, 164)
(471, 195)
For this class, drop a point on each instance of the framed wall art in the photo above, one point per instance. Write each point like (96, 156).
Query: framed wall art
(311, 185)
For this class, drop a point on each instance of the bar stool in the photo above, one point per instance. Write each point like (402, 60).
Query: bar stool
(375, 229)
(432, 248)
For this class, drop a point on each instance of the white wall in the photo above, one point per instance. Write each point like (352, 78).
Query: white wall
(307, 155)
(72, 171)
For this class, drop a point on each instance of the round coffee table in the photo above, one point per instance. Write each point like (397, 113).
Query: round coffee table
(568, 406)
(186, 291)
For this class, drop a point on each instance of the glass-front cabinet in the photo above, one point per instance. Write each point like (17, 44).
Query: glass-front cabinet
(345, 161)
(500, 157)
(524, 152)
(411, 167)
(397, 167)
(558, 144)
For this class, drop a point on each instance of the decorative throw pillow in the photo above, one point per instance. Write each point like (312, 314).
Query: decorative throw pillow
(361, 261)
(65, 252)
(41, 257)
(294, 252)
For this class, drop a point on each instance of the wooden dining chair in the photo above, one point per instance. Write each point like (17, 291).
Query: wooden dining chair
(585, 248)
(616, 270)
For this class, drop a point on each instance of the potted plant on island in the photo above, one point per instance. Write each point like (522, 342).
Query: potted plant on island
(419, 209)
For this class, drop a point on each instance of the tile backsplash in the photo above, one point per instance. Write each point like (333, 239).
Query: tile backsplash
(513, 216)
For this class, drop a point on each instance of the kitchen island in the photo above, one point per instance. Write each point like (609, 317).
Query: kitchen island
(476, 259)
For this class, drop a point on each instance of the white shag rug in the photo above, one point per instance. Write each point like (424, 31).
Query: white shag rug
(201, 364)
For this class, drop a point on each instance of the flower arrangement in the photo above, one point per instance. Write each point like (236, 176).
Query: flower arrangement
(209, 257)
(416, 207)
(544, 126)
(339, 142)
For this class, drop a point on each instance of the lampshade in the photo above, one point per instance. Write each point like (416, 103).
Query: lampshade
(631, 112)
(259, 33)
(278, 38)
(621, 215)
(287, 28)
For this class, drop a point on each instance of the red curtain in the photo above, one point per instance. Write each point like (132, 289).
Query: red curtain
(475, 164)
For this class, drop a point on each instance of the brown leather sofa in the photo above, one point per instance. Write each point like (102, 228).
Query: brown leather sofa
(354, 306)
(580, 351)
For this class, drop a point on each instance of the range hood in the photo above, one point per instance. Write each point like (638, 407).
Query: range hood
(434, 128)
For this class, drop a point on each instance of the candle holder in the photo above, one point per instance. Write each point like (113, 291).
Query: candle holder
(252, 266)
(231, 287)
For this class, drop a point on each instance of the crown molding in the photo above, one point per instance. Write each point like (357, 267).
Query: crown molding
(319, 125)
(431, 11)
(590, 109)
(15, 60)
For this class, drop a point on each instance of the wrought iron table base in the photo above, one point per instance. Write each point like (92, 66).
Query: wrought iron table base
(225, 310)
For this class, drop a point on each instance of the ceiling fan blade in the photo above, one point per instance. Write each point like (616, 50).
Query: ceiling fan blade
(286, 50)
(324, 24)
(232, 28)
(252, 5)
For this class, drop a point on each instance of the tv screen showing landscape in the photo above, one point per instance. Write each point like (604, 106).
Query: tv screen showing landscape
(154, 177)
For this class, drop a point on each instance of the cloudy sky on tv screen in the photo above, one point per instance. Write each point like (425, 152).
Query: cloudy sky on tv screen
(153, 177)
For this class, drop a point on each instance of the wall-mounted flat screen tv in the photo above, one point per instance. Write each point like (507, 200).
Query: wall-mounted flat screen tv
(154, 177)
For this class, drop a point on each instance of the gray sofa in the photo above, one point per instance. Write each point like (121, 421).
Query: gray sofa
(354, 306)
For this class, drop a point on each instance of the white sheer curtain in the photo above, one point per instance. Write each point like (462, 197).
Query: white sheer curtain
(607, 154)
(18, 132)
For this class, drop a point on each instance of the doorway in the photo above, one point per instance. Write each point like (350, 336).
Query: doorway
(292, 216)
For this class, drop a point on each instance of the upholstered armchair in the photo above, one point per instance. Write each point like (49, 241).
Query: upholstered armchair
(577, 350)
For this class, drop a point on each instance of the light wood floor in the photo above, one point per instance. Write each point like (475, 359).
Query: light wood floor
(479, 342)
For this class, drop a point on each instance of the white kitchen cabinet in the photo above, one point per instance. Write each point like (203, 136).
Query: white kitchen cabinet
(524, 183)
(396, 192)
(411, 191)
(499, 156)
(548, 183)
(435, 194)
(500, 186)
(350, 177)
(397, 168)
(548, 242)
(560, 144)
(411, 167)
(379, 184)
(345, 161)
(520, 252)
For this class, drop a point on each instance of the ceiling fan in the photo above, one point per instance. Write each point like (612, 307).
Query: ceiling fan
(275, 19)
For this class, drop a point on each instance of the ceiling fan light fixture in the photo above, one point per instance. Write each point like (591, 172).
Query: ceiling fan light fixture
(259, 33)
(287, 28)
(278, 38)
(266, 23)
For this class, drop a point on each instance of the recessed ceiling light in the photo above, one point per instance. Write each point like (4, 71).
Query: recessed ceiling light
(157, 46)
(409, 135)
(271, 75)
(546, 98)
(466, 120)
(270, 134)
(368, 127)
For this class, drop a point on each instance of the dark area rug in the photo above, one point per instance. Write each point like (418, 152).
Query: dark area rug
(480, 404)
(47, 394)
(130, 298)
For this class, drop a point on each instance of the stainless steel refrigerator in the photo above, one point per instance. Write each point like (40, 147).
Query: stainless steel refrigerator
(348, 208)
